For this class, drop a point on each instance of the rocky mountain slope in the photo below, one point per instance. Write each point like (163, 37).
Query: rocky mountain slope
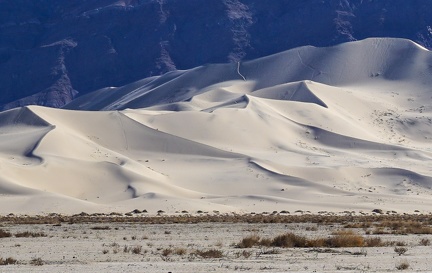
(52, 51)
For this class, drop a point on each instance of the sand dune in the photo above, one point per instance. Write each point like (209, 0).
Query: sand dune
(319, 129)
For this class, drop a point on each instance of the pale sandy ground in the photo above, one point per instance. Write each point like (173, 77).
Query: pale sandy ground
(320, 129)
(78, 248)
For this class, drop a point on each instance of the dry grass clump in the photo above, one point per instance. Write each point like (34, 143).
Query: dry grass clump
(402, 265)
(5, 234)
(424, 242)
(136, 249)
(7, 261)
(209, 254)
(344, 238)
(400, 250)
(246, 254)
(289, 240)
(405, 227)
(180, 251)
(166, 252)
(30, 234)
(36, 262)
(249, 241)
(374, 242)
(101, 228)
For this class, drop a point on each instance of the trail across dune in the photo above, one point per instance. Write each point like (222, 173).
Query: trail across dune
(345, 128)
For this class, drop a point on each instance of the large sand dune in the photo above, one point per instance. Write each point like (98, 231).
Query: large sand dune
(314, 129)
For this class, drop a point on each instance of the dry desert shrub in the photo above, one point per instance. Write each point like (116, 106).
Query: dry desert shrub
(180, 251)
(249, 241)
(127, 249)
(402, 265)
(424, 242)
(4, 233)
(101, 228)
(289, 240)
(7, 261)
(246, 254)
(30, 234)
(373, 242)
(166, 252)
(346, 239)
(136, 249)
(342, 238)
(208, 254)
(405, 227)
(36, 262)
(400, 250)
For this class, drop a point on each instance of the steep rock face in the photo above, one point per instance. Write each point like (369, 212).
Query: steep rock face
(54, 50)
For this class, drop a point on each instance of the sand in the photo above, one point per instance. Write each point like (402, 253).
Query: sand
(314, 129)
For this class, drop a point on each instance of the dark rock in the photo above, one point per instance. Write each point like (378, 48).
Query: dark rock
(54, 50)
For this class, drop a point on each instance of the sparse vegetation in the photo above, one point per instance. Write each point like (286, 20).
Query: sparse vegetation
(208, 254)
(400, 250)
(127, 249)
(37, 262)
(101, 228)
(424, 242)
(30, 234)
(249, 241)
(4, 233)
(136, 249)
(288, 240)
(402, 265)
(180, 251)
(348, 232)
(7, 261)
(166, 252)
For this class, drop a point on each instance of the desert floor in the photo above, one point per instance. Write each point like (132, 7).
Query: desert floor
(121, 245)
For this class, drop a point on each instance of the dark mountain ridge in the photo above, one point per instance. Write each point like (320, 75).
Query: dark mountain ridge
(52, 51)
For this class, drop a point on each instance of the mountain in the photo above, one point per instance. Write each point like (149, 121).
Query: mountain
(341, 128)
(52, 51)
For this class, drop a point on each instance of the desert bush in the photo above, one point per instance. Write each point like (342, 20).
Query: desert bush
(402, 265)
(101, 228)
(249, 241)
(136, 249)
(246, 254)
(208, 254)
(180, 251)
(373, 242)
(289, 240)
(346, 239)
(424, 242)
(36, 262)
(4, 233)
(400, 250)
(30, 234)
(265, 242)
(7, 261)
(127, 249)
(105, 251)
(166, 252)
